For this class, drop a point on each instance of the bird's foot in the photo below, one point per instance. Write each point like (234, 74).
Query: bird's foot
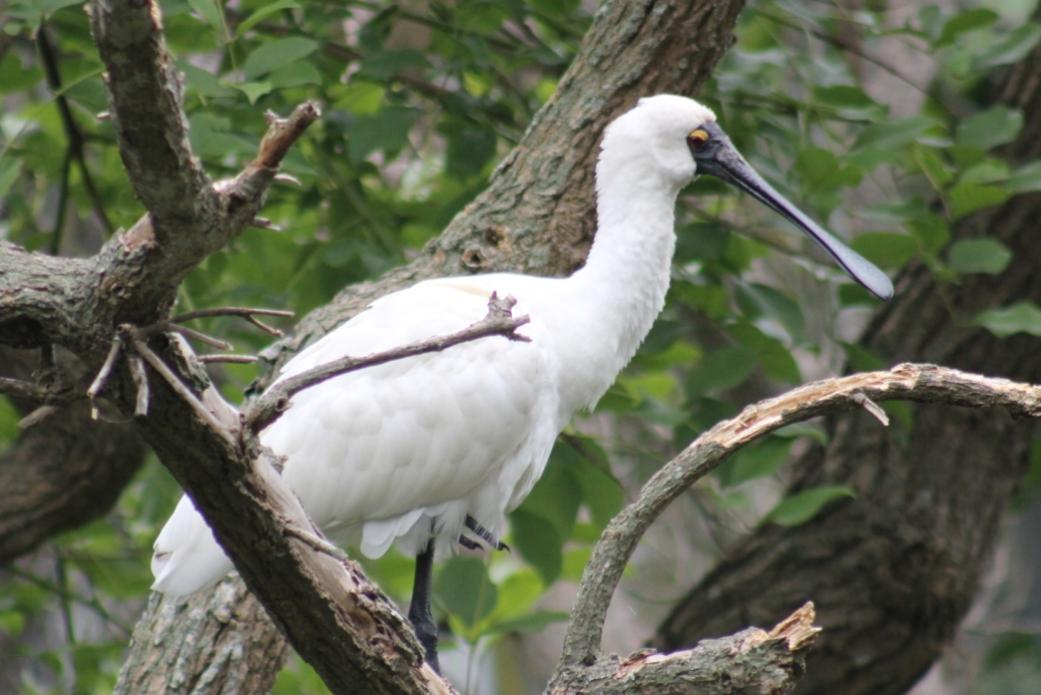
(482, 533)
(426, 630)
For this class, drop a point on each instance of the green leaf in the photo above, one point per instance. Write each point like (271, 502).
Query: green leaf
(464, 590)
(995, 126)
(210, 11)
(361, 98)
(386, 64)
(203, 82)
(9, 171)
(849, 101)
(275, 54)
(983, 255)
(538, 542)
(803, 506)
(532, 622)
(470, 148)
(931, 231)
(891, 135)
(763, 301)
(263, 13)
(254, 90)
(965, 198)
(987, 170)
(932, 165)
(557, 494)
(1021, 317)
(820, 169)
(972, 20)
(760, 460)
(721, 370)
(386, 131)
(1014, 46)
(886, 249)
(773, 356)
(294, 75)
(1025, 179)
(601, 492)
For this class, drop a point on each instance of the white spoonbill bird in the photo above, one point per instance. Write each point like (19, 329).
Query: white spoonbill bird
(431, 452)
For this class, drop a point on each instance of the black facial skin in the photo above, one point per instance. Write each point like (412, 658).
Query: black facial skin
(717, 156)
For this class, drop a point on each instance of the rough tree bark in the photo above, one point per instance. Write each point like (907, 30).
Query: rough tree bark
(894, 571)
(535, 216)
(63, 472)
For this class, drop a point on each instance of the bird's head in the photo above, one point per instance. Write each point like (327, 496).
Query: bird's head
(674, 138)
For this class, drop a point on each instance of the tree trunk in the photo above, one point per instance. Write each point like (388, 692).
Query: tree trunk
(535, 216)
(894, 570)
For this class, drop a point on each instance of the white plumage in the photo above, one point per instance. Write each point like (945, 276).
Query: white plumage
(395, 453)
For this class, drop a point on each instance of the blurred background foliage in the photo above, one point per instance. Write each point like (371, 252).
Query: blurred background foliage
(873, 116)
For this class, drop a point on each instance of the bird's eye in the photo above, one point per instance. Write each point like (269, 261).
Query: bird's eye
(697, 138)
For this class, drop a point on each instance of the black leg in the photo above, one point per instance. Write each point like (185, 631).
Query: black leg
(419, 609)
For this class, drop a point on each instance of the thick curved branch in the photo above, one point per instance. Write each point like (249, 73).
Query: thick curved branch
(916, 382)
(752, 661)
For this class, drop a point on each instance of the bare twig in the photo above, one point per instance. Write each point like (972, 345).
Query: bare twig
(37, 416)
(873, 408)
(73, 136)
(195, 335)
(275, 401)
(288, 178)
(265, 223)
(233, 359)
(103, 374)
(18, 388)
(140, 379)
(316, 542)
(248, 313)
(916, 382)
(157, 364)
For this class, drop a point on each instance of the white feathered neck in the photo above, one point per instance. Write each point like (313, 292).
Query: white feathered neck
(643, 165)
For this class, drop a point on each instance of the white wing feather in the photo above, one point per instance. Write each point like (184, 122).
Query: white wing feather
(399, 450)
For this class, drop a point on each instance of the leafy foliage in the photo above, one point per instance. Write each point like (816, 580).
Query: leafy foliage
(419, 105)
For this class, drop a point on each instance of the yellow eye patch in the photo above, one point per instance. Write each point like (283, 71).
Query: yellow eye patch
(699, 135)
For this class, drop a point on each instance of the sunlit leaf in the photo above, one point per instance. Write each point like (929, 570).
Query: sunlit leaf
(1020, 317)
(970, 20)
(995, 126)
(886, 249)
(1011, 47)
(263, 13)
(275, 54)
(966, 198)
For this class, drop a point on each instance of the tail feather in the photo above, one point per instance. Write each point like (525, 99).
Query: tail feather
(186, 558)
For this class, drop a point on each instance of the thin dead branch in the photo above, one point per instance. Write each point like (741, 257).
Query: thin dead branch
(275, 401)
